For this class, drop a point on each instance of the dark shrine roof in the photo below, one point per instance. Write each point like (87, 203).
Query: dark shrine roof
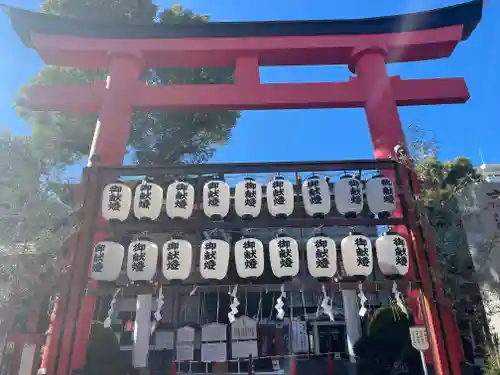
(467, 14)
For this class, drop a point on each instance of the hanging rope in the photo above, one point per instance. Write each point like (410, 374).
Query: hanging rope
(259, 308)
(246, 302)
(218, 306)
(271, 310)
(303, 298)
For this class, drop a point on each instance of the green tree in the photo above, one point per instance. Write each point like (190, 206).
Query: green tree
(103, 353)
(36, 204)
(34, 225)
(157, 137)
(386, 343)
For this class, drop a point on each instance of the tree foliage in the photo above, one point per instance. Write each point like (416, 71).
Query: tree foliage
(386, 343)
(103, 353)
(157, 137)
(36, 203)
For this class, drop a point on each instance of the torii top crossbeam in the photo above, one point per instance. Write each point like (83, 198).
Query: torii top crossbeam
(247, 45)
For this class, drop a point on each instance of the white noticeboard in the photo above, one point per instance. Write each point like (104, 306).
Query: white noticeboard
(214, 332)
(300, 342)
(419, 339)
(244, 328)
(185, 352)
(185, 334)
(243, 349)
(164, 340)
(213, 352)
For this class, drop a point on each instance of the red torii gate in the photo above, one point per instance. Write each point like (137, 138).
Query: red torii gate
(365, 45)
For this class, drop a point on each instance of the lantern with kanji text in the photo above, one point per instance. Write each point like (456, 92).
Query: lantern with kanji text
(216, 199)
(116, 201)
(142, 259)
(248, 198)
(214, 259)
(179, 202)
(357, 255)
(380, 196)
(107, 261)
(284, 256)
(392, 254)
(148, 200)
(280, 197)
(249, 257)
(316, 196)
(177, 259)
(349, 196)
(321, 256)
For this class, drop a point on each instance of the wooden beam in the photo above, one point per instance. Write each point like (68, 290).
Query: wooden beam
(88, 98)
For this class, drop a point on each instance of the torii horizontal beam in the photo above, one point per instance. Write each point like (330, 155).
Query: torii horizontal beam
(89, 98)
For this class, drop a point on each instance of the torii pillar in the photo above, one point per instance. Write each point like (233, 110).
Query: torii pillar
(366, 45)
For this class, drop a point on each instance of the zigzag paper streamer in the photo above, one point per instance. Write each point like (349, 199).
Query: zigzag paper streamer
(399, 300)
(280, 313)
(159, 304)
(326, 304)
(107, 321)
(234, 305)
(362, 301)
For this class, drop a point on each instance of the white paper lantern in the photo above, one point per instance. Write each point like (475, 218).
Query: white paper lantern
(392, 254)
(249, 257)
(349, 196)
(284, 256)
(107, 261)
(142, 259)
(216, 199)
(177, 259)
(357, 255)
(116, 201)
(280, 197)
(148, 199)
(179, 202)
(214, 259)
(248, 198)
(321, 256)
(316, 196)
(380, 196)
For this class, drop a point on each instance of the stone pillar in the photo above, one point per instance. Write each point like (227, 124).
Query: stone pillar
(142, 328)
(352, 321)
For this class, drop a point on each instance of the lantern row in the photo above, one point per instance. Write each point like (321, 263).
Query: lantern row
(177, 257)
(147, 199)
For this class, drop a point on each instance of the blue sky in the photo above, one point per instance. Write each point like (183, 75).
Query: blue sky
(333, 133)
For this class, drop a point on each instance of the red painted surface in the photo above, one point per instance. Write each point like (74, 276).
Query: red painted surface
(53, 332)
(204, 52)
(109, 144)
(247, 94)
(386, 132)
(372, 89)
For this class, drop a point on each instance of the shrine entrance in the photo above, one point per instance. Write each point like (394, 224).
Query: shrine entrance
(146, 257)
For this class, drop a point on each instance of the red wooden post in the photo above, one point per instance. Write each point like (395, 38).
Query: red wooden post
(108, 148)
(386, 133)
